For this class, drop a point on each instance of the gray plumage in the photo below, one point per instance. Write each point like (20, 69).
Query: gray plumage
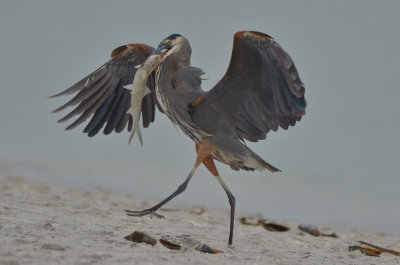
(261, 91)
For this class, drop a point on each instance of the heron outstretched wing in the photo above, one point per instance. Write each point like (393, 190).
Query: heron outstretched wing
(261, 90)
(102, 94)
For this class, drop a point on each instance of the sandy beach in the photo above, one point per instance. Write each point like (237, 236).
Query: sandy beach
(47, 224)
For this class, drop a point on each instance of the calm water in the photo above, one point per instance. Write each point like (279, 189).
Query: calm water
(340, 164)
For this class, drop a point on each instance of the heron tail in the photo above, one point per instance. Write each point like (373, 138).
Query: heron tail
(265, 164)
(270, 167)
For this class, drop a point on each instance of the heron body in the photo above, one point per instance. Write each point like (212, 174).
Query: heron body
(261, 91)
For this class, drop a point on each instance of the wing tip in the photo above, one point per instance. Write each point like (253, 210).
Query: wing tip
(58, 109)
(56, 95)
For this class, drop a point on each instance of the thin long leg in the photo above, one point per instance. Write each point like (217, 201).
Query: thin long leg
(232, 203)
(209, 163)
(203, 150)
(153, 209)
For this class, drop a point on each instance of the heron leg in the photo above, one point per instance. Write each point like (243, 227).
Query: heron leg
(203, 151)
(153, 209)
(232, 203)
(209, 163)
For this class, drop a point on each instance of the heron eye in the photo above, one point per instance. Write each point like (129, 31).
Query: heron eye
(169, 42)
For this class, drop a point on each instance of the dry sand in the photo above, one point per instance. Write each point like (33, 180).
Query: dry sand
(45, 224)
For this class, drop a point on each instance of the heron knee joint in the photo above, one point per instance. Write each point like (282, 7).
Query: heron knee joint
(232, 200)
(182, 187)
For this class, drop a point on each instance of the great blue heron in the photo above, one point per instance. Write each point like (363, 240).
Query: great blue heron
(261, 91)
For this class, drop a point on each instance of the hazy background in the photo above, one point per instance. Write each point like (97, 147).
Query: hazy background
(340, 164)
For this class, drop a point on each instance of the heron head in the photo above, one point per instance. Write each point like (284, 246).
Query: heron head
(169, 45)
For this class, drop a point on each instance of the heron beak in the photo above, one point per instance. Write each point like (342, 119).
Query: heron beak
(161, 50)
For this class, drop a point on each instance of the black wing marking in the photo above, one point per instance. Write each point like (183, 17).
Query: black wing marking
(260, 91)
(102, 94)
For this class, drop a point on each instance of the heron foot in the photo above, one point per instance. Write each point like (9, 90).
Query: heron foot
(143, 213)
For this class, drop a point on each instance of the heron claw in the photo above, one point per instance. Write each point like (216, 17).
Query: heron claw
(143, 213)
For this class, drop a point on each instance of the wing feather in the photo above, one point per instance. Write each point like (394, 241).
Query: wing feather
(88, 101)
(84, 82)
(93, 106)
(261, 90)
(84, 93)
(101, 95)
(99, 117)
(124, 115)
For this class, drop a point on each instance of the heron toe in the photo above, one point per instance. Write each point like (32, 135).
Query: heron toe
(143, 213)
